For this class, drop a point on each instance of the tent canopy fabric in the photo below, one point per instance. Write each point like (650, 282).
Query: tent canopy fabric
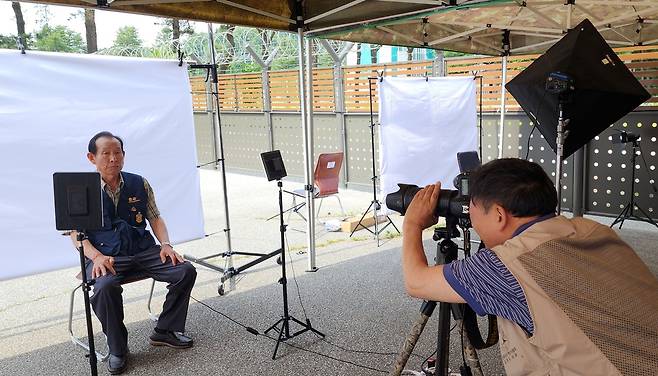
(270, 14)
(533, 25)
(472, 26)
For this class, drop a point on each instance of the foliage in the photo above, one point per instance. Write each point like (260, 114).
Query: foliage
(128, 38)
(58, 38)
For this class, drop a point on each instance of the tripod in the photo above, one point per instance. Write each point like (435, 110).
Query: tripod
(284, 330)
(628, 211)
(86, 286)
(447, 251)
(374, 204)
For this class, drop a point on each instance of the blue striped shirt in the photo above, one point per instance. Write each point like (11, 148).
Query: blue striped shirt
(486, 284)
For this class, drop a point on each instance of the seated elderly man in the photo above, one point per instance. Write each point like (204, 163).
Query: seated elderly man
(124, 248)
(571, 297)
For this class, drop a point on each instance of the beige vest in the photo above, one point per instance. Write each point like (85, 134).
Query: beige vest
(593, 302)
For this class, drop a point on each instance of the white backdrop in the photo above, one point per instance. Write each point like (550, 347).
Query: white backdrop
(50, 106)
(424, 123)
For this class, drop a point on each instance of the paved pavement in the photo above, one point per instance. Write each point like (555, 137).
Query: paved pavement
(356, 298)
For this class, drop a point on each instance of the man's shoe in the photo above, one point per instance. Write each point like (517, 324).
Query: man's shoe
(117, 364)
(177, 340)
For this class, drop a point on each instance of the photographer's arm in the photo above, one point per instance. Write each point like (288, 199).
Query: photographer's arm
(420, 279)
(102, 263)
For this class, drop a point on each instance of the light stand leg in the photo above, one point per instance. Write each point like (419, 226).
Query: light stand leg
(93, 361)
(629, 209)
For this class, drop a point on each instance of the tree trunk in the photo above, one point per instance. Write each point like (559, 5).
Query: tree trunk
(175, 33)
(20, 22)
(90, 31)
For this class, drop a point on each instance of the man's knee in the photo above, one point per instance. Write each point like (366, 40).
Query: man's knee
(107, 286)
(188, 272)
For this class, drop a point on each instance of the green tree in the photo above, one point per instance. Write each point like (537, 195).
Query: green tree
(59, 38)
(128, 37)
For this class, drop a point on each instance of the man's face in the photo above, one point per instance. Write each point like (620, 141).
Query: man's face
(487, 223)
(108, 158)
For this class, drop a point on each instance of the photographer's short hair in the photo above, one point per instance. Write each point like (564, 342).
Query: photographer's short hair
(92, 143)
(519, 186)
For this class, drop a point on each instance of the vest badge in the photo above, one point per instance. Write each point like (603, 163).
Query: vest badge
(132, 200)
(139, 218)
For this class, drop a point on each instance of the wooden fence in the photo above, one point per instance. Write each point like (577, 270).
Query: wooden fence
(243, 92)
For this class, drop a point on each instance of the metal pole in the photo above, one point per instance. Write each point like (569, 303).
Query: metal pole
(267, 100)
(217, 130)
(339, 98)
(305, 98)
(503, 100)
(578, 182)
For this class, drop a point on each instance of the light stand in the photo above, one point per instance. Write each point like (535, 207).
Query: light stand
(563, 85)
(628, 211)
(374, 204)
(284, 329)
(79, 205)
(86, 286)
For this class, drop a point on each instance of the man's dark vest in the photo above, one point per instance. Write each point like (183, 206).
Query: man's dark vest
(124, 230)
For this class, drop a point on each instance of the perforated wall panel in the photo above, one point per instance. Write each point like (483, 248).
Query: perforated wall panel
(245, 137)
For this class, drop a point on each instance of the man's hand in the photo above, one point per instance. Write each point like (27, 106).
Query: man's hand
(167, 251)
(420, 213)
(102, 265)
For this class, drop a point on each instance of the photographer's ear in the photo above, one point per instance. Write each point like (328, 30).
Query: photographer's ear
(501, 217)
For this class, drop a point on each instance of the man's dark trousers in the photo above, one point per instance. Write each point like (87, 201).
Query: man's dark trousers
(107, 300)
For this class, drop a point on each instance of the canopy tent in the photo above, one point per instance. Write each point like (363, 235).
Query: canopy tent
(494, 27)
(532, 26)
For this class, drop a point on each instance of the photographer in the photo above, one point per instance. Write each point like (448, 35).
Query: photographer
(570, 296)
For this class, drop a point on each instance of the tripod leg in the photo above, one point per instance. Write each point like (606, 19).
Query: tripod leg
(410, 342)
(278, 341)
(361, 220)
(470, 354)
(622, 215)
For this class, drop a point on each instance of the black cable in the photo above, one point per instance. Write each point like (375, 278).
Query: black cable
(428, 358)
(257, 333)
(294, 278)
(527, 148)
(299, 296)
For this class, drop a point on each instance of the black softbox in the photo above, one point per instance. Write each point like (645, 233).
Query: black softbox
(605, 90)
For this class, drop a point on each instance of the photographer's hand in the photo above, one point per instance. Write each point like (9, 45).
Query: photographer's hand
(420, 213)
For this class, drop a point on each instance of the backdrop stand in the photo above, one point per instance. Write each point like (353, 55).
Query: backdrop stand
(228, 271)
(375, 205)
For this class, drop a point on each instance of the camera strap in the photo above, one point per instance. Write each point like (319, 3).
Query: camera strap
(473, 331)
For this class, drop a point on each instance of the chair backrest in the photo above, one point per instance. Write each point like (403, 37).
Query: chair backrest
(327, 173)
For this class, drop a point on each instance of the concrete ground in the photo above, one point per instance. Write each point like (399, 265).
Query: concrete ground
(356, 298)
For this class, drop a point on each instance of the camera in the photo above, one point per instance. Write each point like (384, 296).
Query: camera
(451, 203)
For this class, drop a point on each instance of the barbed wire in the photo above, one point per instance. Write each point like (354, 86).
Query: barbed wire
(230, 49)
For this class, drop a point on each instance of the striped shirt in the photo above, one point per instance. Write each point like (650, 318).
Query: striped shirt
(152, 211)
(486, 284)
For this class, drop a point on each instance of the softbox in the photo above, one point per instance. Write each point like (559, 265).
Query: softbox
(605, 90)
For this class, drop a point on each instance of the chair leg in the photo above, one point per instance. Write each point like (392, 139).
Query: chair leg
(341, 205)
(153, 316)
(319, 207)
(77, 341)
